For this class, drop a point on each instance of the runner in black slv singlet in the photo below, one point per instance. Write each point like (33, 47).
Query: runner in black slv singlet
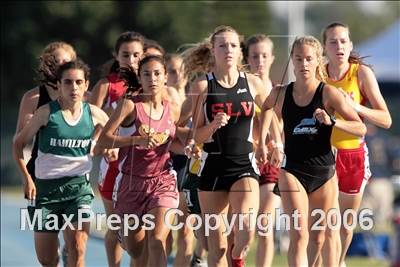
(230, 152)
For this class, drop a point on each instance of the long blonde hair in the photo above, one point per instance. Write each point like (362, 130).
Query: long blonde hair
(198, 59)
(312, 41)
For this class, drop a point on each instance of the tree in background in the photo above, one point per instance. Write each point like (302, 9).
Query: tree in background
(92, 27)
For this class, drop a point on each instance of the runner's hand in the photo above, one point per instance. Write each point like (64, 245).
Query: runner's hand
(148, 142)
(196, 153)
(111, 154)
(29, 188)
(277, 157)
(220, 120)
(192, 150)
(323, 117)
(261, 153)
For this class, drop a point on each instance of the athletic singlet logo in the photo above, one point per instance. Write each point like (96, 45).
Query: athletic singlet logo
(241, 90)
(71, 143)
(306, 126)
(246, 109)
(351, 94)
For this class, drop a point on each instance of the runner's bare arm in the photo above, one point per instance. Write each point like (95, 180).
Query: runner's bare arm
(201, 130)
(99, 93)
(109, 137)
(100, 119)
(379, 113)
(27, 108)
(39, 119)
(351, 122)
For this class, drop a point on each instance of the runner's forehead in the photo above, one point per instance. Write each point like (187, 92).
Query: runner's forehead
(73, 74)
(262, 46)
(337, 33)
(222, 36)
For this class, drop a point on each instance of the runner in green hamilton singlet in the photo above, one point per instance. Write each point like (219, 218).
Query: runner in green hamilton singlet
(66, 129)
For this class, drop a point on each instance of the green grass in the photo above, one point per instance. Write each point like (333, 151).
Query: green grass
(280, 260)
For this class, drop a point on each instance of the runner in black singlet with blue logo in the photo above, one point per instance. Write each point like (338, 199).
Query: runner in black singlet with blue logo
(304, 181)
(303, 132)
